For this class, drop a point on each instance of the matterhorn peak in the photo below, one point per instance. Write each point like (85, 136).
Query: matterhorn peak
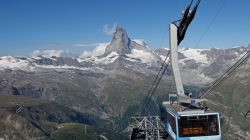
(121, 43)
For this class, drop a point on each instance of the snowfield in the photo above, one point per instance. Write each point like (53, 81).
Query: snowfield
(143, 56)
(193, 54)
(13, 63)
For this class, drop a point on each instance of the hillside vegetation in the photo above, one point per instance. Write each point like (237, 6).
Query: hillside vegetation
(23, 118)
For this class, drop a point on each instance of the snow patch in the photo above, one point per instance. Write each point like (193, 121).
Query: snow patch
(144, 56)
(61, 67)
(108, 59)
(140, 42)
(236, 53)
(100, 60)
(163, 57)
(193, 54)
(26, 64)
(131, 59)
(9, 62)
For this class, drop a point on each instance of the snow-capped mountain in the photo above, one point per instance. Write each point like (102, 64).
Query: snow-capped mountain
(203, 64)
(121, 47)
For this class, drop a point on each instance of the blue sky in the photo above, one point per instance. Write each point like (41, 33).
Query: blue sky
(28, 25)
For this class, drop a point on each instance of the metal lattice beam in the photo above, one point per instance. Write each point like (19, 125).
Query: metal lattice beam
(146, 128)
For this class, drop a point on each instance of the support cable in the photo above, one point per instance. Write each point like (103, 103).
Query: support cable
(228, 73)
(152, 89)
(240, 62)
(211, 23)
(155, 84)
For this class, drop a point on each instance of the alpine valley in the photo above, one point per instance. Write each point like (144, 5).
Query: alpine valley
(54, 96)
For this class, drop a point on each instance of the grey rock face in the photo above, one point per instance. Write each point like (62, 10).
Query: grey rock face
(56, 61)
(120, 43)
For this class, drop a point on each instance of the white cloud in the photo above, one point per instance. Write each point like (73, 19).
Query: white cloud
(99, 50)
(86, 45)
(68, 53)
(85, 54)
(47, 53)
(109, 30)
(80, 45)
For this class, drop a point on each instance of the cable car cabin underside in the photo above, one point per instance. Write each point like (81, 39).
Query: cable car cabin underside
(190, 124)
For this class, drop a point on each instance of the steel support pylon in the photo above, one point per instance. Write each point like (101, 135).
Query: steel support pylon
(146, 128)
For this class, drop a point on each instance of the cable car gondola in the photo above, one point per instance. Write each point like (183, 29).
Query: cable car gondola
(183, 117)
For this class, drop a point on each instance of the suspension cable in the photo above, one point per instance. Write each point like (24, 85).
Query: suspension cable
(228, 73)
(156, 83)
(160, 73)
(210, 23)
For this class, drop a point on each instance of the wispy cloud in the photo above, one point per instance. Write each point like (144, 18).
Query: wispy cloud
(99, 50)
(47, 53)
(109, 30)
(71, 46)
(82, 45)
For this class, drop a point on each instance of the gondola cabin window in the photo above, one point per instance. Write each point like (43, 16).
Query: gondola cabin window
(172, 123)
(191, 126)
(167, 118)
